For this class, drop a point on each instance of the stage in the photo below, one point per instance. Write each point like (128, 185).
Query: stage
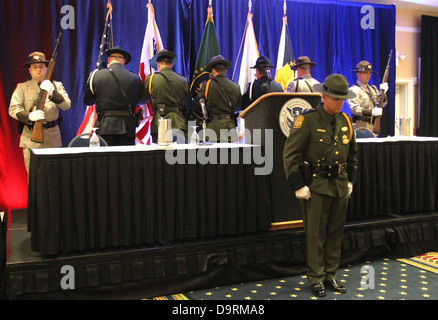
(120, 223)
(169, 267)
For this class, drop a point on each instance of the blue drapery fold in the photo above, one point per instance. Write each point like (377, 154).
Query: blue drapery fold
(329, 32)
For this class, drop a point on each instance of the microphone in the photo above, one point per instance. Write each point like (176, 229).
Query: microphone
(204, 110)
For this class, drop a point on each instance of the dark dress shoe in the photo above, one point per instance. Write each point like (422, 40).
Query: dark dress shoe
(335, 286)
(318, 289)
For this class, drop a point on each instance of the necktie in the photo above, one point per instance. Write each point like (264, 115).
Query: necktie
(333, 123)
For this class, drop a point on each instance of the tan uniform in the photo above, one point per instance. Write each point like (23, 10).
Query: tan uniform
(302, 84)
(21, 105)
(362, 106)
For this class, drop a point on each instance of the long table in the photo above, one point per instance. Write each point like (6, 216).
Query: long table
(397, 175)
(89, 198)
(83, 198)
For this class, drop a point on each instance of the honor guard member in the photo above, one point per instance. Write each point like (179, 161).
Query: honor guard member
(263, 83)
(116, 92)
(304, 81)
(22, 103)
(363, 107)
(222, 98)
(169, 93)
(320, 161)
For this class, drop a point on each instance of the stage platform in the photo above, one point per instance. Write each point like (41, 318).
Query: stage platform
(180, 266)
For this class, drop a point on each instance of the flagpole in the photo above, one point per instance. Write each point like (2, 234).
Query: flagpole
(243, 38)
(90, 116)
(105, 34)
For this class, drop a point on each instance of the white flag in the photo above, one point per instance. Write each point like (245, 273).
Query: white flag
(249, 56)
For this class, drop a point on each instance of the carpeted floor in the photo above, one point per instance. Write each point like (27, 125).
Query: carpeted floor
(387, 279)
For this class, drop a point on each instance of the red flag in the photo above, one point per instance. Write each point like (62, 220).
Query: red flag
(151, 45)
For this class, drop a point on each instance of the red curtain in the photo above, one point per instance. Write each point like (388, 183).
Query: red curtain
(13, 176)
(26, 28)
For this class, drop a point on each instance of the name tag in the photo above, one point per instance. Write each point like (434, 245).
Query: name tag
(321, 130)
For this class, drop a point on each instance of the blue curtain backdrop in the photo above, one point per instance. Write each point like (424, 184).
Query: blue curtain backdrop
(329, 32)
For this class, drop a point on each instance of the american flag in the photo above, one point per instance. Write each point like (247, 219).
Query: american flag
(106, 43)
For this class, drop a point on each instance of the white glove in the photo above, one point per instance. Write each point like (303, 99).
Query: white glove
(377, 112)
(384, 87)
(37, 115)
(47, 86)
(303, 193)
(350, 188)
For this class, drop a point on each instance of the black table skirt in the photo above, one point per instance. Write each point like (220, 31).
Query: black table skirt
(395, 178)
(99, 200)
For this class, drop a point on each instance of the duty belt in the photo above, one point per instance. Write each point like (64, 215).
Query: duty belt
(355, 118)
(221, 116)
(328, 170)
(115, 113)
(163, 110)
(46, 125)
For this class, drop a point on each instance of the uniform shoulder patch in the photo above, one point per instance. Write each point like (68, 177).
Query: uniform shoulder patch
(298, 122)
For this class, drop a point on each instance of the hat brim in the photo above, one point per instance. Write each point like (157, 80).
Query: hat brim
(357, 70)
(312, 65)
(124, 53)
(263, 67)
(27, 64)
(212, 64)
(169, 54)
(320, 88)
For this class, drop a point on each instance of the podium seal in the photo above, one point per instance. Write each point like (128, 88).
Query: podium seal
(290, 112)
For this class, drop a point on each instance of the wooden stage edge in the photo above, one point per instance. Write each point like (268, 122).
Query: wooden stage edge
(286, 225)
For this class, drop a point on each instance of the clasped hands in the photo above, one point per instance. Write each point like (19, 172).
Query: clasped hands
(304, 192)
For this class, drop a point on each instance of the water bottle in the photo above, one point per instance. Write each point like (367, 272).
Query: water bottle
(94, 140)
(194, 139)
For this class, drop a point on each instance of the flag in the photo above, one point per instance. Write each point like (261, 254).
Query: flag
(106, 43)
(285, 59)
(250, 54)
(151, 45)
(208, 49)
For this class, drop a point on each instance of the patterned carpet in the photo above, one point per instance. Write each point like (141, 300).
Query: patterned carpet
(387, 279)
(428, 261)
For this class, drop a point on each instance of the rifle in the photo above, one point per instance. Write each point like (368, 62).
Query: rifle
(376, 124)
(37, 132)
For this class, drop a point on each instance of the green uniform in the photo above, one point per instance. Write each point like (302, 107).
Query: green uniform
(319, 138)
(223, 97)
(168, 93)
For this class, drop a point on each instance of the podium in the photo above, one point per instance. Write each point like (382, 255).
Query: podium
(277, 112)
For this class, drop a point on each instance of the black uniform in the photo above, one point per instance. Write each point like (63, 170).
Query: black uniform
(259, 88)
(116, 113)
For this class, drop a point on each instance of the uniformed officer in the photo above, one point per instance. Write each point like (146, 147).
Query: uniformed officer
(320, 161)
(304, 81)
(169, 93)
(22, 106)
(117, 92)
(222, 98)
(263, 83)
(363, 106)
